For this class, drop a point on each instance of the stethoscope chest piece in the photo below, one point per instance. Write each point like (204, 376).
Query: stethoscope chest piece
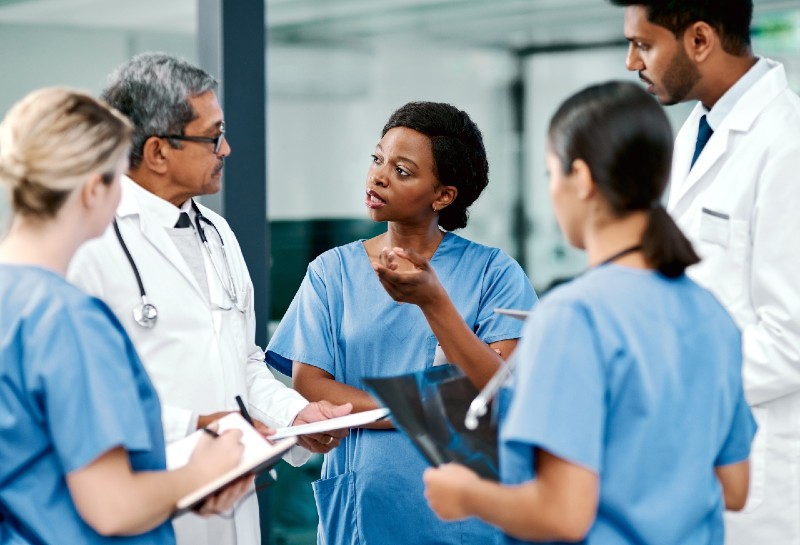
(145, 314)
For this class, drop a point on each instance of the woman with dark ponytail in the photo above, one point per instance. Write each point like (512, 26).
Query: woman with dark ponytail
(628, 422)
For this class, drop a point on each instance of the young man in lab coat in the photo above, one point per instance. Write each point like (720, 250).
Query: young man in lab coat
(735, 191)
(200, 351)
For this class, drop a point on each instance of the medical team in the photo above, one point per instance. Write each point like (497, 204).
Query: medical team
(635, 385)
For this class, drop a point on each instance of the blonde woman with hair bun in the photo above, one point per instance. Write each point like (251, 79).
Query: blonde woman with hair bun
(81, 445)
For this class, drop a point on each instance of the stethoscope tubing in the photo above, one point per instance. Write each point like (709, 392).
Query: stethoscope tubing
(146, 313)
(130, 260)
(229, 287)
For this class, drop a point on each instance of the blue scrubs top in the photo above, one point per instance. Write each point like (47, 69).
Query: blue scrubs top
(637, 378)
(344, 322)
(71, 389)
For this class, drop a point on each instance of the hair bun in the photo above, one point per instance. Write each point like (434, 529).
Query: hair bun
(13, 168)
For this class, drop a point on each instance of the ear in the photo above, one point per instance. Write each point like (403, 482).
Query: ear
(447, 194)
(155, 154)
(582, 177)
(93, 191)
(699, 40)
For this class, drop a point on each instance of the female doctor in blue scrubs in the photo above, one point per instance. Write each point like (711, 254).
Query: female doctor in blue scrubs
(628, 422)
(428, 168)
(81, 451)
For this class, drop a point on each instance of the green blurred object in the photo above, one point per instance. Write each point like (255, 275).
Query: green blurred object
(777, 33)
(295, 243)
(288, 511)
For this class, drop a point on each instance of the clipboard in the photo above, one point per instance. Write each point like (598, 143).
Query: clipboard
(348, 421)
(259, 455)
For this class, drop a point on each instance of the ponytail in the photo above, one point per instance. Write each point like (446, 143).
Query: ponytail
(665, 247)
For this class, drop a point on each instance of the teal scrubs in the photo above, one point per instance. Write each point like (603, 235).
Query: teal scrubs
(343, 321)
(637, 378)
(71, 389)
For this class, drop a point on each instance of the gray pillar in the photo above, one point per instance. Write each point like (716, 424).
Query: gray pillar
(231, 46)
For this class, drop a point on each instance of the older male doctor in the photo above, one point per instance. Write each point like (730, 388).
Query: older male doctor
(173, 273)
(736, 193)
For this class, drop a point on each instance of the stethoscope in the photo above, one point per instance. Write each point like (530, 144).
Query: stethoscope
(146, 314)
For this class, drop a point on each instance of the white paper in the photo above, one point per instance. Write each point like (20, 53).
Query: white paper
(349, 421)
(257, 450)
(514, 313)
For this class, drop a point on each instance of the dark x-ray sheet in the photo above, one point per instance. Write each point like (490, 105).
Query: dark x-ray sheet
(429, 406)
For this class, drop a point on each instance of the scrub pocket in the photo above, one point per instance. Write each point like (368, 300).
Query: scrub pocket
(758, 460)
(335, 499)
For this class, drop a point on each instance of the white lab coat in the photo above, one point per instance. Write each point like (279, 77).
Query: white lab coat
(198, 359)
(740, 206)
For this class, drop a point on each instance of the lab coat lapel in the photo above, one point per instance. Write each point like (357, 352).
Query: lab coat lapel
(684, 178)
(740, 119)
(156, 236)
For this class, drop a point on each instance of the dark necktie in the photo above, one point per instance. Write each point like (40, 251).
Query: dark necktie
(183, 221)
(704, 132)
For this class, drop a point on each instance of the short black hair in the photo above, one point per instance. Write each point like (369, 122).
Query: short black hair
(458, 153)
(730, 18)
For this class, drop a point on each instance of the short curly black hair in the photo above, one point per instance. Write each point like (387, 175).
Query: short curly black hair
(458, 153)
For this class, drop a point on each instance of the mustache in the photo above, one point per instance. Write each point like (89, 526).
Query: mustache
(219, 166)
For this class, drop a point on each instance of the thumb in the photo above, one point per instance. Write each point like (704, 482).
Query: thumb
(340, 410)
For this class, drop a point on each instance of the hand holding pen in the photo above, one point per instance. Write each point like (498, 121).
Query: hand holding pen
(204, 421)
(260, 427)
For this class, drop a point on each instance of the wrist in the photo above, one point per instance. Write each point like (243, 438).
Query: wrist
(464, 501)
(436, 301)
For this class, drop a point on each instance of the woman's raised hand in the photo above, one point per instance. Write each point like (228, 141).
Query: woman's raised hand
(408, 277)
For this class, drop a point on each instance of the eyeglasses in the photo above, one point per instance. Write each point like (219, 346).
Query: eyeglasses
(216, 140)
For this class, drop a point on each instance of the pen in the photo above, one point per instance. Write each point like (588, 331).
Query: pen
(211, 432)
(243, 411)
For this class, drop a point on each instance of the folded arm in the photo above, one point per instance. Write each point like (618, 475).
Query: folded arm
(315, 384)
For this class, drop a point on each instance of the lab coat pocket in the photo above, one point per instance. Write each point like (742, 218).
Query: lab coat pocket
(731, 235)
(715, 227)
(758, 459)
(335, 499)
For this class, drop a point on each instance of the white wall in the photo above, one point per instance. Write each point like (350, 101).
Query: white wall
(326, 109)
(39, 56)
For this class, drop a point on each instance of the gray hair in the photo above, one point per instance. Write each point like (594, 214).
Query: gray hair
(153, 90)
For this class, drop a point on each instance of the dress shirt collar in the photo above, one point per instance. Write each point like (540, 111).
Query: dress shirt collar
(162, 212)
(728, 101)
